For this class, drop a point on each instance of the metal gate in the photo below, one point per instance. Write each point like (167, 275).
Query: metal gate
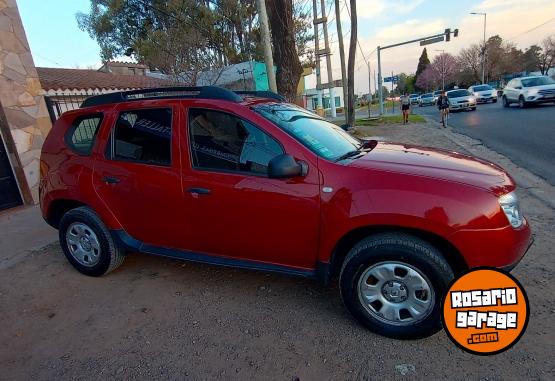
(9, 192)
(58, 104)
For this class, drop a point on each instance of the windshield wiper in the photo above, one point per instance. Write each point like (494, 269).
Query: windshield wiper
(347, 155)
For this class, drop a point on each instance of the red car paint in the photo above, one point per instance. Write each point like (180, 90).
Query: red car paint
(297, 223)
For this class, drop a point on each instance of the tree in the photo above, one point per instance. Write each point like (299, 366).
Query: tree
(547, 56)
(531, 58)
(428, 79)
(351, 64)
(423, 62)
(286, 57)
(444, 67)
(470, 64)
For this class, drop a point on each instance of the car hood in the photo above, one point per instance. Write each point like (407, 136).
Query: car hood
(436, 163)
(463, 98)
(485, 92)
(542, 87)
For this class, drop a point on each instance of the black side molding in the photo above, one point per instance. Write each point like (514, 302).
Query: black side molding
(129, 243)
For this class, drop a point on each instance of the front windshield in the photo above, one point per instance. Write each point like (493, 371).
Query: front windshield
(537, 81)
(323, 138)
(482, 88)
(413, 95)
(430, 95)
(457, 93)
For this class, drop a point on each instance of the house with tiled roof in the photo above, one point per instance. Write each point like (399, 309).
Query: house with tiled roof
(65, 89)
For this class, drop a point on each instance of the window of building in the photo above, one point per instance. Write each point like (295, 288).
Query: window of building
(82, 134)
(143, 136)
(221, 141)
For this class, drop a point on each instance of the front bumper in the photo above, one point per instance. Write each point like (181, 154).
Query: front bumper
(462, 106)
(485, 99)
(502, 248)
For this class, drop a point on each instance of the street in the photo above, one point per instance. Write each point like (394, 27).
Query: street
(523, 135)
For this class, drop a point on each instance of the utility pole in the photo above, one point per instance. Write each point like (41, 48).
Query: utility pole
(369, 89)
(316, 50)
(380, 92)
(484, 49)
(323, 53)
(342, 58)
(328, 59)
(265, 34)
(442, 69)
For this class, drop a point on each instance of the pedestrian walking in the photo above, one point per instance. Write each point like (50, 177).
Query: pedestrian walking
(443, 106)
(405, 107)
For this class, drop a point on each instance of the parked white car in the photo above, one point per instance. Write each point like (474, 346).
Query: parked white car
(483, 93)
(528, 90)
(461, 99)
(414, 99)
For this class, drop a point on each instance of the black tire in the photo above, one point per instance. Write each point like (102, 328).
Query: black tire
(110, 255)
(494, 101)
(506, 102)
(522, 102)
(406, 250)
(473, 109)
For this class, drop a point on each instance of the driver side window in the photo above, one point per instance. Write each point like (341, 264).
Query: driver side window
(223, 142)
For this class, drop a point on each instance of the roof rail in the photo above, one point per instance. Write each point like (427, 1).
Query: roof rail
(206, 92)
(262, 94)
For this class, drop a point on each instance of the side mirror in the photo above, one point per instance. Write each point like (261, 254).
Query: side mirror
(346, 127)
(284, 166)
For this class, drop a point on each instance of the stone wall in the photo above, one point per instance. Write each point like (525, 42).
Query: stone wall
(21, 100)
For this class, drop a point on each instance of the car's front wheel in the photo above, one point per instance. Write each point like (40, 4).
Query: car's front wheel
(393, 284)
(521, 102)
(87, 243)
(506, 102)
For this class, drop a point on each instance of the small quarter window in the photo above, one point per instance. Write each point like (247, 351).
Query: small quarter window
(143, 136)
(81, 135)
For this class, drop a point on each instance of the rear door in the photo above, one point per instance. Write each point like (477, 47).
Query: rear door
(237, 210)
(138, 174)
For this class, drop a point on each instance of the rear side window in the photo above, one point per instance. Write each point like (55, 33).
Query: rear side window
(143, 136)
(81, 135)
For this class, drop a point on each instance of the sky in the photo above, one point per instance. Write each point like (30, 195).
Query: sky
(57, 41)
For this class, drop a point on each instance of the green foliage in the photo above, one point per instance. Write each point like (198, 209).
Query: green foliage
(423, 62)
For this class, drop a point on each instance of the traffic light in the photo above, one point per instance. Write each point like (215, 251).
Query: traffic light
(456, 33)
(448, 34)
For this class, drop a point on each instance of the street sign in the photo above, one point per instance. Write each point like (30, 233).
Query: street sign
(432, 40)
(335, 83)
(395, 78)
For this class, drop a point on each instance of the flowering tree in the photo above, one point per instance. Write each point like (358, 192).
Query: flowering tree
(428, 79)
(445, 66)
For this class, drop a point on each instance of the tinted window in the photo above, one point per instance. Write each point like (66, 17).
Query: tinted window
(323, 138)
(538, 81)
(222, 141)
(429, 95)
(457, 93)
(81, 135)
(143, 136)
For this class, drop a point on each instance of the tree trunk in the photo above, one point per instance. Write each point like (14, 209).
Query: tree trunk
(286, 58)
(342, 58)
(351, 65)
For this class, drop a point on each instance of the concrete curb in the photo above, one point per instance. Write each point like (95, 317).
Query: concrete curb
(534, 185)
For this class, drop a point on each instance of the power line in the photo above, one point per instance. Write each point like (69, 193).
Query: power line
(532, 29)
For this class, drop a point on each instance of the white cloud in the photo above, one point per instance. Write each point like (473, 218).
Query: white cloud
(371, 9)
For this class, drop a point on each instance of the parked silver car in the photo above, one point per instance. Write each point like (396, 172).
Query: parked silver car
(483, 93)
(527, 90)
(461, 99)
(428, 99)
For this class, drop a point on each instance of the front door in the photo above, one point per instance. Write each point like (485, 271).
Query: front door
(139, 175)
(9, 192)
(237, 210)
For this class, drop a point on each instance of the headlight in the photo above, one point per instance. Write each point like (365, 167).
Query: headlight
(509, 204)
(532, 92)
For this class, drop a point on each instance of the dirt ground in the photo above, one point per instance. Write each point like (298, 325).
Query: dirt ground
(163, 319)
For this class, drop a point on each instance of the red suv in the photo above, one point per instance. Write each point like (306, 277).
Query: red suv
(248, 180)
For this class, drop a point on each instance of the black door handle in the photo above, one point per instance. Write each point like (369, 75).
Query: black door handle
(199, 191)
(110, 180)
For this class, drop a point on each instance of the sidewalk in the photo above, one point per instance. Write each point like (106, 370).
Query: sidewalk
(22, 230)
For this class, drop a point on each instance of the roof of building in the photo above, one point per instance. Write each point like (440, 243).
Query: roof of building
(126, 64)
(85, 79)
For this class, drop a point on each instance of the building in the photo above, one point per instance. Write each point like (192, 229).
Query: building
(312, 98)
(31, 98)
(248, 75)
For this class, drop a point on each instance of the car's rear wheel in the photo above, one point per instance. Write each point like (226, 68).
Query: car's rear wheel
(521, 102)
(87, 243)
(393, 284)
(506, 102)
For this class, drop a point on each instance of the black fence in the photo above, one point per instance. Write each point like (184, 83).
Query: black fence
(58, 104)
